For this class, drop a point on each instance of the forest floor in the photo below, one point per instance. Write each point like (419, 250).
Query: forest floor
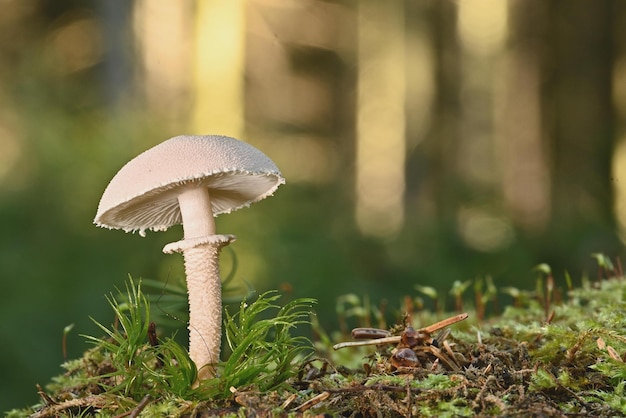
(543, 357)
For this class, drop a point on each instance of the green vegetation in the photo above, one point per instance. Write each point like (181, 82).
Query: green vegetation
(553, 352)
(129, 366)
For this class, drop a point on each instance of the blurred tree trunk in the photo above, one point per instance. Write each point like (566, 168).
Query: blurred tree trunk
(117, 69)
(578, 111)
(524, 163)
(164, 34)
(380, 165)
(443, 186)
(218, 71)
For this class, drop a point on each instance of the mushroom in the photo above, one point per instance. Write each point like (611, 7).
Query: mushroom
(189, 180)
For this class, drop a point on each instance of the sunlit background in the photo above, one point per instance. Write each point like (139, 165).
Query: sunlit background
(423, 142)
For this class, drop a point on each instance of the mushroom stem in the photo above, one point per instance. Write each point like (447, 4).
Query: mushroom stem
(205, 306)
(200, 248)
(204, 288)
(196, 211)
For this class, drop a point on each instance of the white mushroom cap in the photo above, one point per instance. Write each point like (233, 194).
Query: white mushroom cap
(143, 194)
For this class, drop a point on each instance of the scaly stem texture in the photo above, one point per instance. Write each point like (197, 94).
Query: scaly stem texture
(205, 306)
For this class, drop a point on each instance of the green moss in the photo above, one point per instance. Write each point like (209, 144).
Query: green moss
(446, 409)
(545, 356)
(125, 370)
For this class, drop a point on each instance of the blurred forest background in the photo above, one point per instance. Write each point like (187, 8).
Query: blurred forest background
(423, 142)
